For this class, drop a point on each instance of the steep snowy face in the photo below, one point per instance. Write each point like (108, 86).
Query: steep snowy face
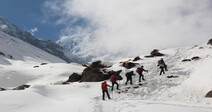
(12, 49)
(46, 45)
(79, 45)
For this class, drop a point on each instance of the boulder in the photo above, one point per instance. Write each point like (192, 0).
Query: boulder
(154, 53)
(129, 65)
(186, 60)
(136, 58)
(22, 87)
(74, 77)
(209, 94)
(209, 42)
(1, 53)
(2, 89)
(201, 47)
(43, 64)
(171, 76)
(35, 66)
(10, 56)
(94, 73)
(65, 83)
(97, 72)
(195, 58)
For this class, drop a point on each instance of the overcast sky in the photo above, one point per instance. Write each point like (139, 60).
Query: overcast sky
(137, 25)
(119, 25)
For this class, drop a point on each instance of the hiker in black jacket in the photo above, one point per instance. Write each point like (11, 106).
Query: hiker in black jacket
(129, 77)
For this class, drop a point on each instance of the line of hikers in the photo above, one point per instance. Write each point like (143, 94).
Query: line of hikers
(114, 78)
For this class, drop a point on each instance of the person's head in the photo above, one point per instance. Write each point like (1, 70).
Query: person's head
(131, 72)
(161, 58)
(142, 66)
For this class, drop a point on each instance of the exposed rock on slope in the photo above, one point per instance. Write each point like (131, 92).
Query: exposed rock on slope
(95, 73)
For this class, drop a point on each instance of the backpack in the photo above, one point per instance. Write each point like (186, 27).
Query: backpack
(127, 74)
(138, 70)
(160, 62)
(113, 78)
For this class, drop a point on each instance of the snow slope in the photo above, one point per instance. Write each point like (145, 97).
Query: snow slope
(20, 50)
(183, 94)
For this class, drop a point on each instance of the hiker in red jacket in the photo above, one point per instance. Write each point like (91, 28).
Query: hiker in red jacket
(105, 90)
(113, 79)
(161, 63)
(140, 72)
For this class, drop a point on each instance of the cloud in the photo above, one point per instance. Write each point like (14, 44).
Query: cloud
(132, 27)
(33, 30)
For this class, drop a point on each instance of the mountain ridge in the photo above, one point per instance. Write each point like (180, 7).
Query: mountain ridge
(46, 45)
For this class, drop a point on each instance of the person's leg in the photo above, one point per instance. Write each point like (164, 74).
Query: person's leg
(130, 80)
(163, 71)
(127, 81)
(112, 86)
(143, 77)
(117, 85)
(103, 95)
(139, 78)
(166, 67)
(107, 94)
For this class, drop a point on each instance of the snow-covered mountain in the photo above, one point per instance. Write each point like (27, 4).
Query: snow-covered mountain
(12, 48)
(185, 92)
(79, 44)
(46, 45)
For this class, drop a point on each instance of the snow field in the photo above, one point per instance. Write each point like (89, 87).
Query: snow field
(183, 94)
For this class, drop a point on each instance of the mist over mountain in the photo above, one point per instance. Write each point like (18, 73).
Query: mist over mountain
(124, 28)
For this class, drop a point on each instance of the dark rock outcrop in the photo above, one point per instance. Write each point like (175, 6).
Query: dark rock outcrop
(171, 76)
(95, 73)
(136, 58)
(129, 65)
(154, 53)
(209, 42)
(65, 83)
(35, 66)
(43, 64)
(195, 58)
(22, 87)
(74, 77)
(209, 94)
(186, 60)
(1, 53)
(2, 89)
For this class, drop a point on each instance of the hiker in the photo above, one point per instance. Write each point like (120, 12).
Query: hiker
(140, 72)
(113, 79)
(161, 66)
(105, 90)
(162, 63)
(129, 77)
